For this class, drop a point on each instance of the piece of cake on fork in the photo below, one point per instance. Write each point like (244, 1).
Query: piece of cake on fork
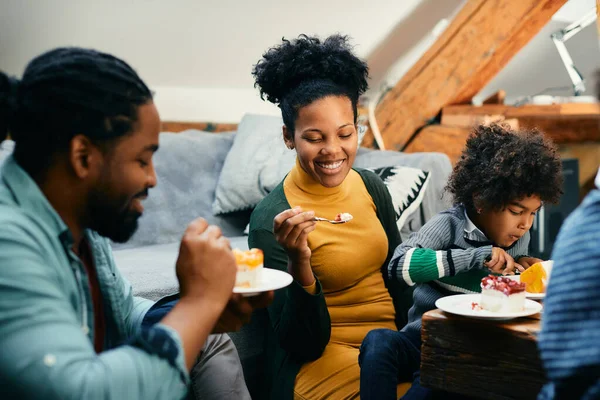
(501, 294)
(345, 217)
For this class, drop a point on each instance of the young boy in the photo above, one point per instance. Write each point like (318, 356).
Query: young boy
(501, 180)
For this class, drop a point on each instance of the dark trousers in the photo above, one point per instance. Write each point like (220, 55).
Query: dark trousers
(390, 357)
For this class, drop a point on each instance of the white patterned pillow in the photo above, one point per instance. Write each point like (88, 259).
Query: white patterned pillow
(407, 187)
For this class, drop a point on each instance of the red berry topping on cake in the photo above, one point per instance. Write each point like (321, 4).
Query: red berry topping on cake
(502, 284)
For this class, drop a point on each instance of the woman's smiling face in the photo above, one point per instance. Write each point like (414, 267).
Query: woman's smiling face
(325, 139)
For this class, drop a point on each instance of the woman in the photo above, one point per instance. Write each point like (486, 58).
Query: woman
(339, 293)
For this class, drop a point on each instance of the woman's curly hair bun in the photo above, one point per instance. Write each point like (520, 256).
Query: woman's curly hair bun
(284, 67)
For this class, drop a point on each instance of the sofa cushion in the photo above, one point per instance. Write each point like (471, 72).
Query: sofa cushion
(187, 166)
(257, 162)
(150, 269)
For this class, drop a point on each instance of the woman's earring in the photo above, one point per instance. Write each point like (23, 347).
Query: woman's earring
(479, 211)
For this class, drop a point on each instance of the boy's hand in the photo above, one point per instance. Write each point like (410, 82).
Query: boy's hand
(502, 263)
(527, 262)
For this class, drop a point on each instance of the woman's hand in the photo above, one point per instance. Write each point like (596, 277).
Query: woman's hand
(502, 263)
(291, 229)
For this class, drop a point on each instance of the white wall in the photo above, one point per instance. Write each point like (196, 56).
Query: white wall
(197, 54)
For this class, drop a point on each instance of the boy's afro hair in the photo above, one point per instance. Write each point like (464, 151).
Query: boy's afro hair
(499, 165)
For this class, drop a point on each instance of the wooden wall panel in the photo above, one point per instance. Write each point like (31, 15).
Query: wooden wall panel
(178, 126)
(564, 123)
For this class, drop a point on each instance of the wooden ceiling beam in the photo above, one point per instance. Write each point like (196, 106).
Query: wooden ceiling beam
(478, 43)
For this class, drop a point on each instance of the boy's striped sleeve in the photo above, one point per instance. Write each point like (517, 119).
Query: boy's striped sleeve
(428, 254)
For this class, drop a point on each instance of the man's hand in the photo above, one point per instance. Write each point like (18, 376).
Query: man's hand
(239, 310)
(527, 262)
(206, 272)
(206, 266)
(502, 263)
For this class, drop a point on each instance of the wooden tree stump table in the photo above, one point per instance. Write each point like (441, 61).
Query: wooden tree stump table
(481, 358)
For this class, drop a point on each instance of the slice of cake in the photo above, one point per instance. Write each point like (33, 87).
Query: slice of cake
(250, 265)
(501, 294)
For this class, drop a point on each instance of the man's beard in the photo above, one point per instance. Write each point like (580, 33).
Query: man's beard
(111, 221)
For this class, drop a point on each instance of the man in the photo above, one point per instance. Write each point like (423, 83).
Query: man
(86, 129)
(569, 342)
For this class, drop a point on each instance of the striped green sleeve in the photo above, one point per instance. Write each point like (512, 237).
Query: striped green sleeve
(422, 265)
(433, 253)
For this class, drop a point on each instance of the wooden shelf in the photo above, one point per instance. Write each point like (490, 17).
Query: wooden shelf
(563, 123)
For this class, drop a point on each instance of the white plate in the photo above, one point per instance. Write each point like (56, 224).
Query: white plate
(532, 296)
(535, 296)
(271, 279)
(461, 304)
